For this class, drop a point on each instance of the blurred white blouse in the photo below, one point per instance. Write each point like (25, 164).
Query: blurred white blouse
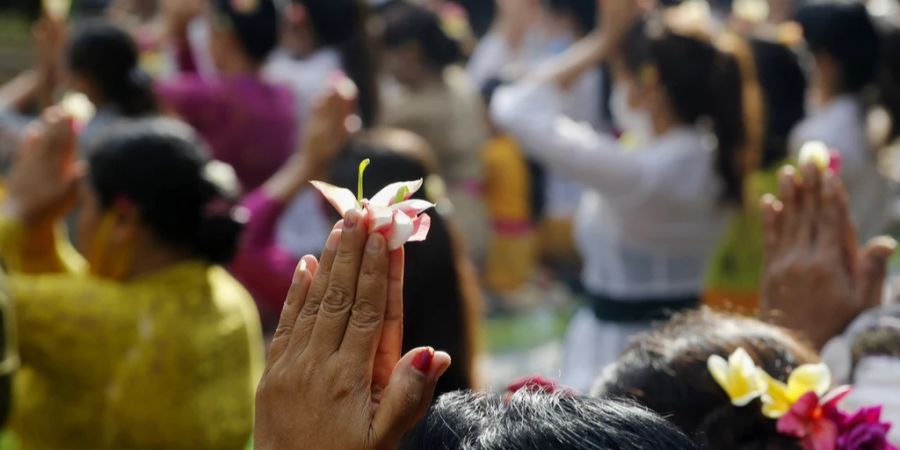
(647, 223)
(649, 218)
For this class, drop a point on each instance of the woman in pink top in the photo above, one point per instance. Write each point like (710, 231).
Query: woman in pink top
(246, 121)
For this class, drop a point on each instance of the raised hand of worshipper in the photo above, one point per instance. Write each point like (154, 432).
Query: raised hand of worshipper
(50, 38)
(43, 182)
(326, 133)
(177, 13)
(817, 279)
(335, 378)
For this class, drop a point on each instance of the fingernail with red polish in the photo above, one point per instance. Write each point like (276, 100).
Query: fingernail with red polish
(422, 361)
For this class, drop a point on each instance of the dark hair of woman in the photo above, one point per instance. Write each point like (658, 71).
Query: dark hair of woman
(889, 78)
(705, 83)
(256, 29)
(529, 420)
(440, 291)
(583, 12)
(344, 25)
(666, 371)
(845, 32)
(784, 91)
(406, 23)
(161, 166)
(107, 56)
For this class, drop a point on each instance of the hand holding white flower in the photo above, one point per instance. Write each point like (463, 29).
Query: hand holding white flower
(390, 212)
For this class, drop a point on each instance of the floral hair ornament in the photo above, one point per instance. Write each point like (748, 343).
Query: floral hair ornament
(804, 406)
(390, 212)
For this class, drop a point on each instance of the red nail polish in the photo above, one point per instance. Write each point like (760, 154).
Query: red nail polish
(422, 361)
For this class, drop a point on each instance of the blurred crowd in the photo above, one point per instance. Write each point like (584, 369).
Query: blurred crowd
(714, 181)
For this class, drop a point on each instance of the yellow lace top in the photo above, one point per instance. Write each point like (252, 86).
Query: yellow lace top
(166, 361)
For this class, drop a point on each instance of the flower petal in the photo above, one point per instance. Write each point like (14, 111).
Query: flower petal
(739, 377)
(718, 368)
(342, 199)
(809, 378)
(806, 405)
(836, 396)
(413, 207)
(379, 219)
(823, 435)
(385, 197)
(815, 152)
(400, 231)
(421, 225)
(775, 401)
(791, 425)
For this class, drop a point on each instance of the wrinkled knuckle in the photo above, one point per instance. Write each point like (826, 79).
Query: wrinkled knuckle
(366, 316)
(336, 301)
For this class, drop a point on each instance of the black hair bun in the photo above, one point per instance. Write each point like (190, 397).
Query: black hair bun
(218, 235)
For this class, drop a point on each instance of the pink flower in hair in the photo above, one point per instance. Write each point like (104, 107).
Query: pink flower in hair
(390, 212)
(814, 420)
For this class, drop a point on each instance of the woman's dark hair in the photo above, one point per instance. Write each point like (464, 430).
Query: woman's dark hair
(344, 25)
(107, 56)
(704, 83)
(256, 28)
(889, 78)
(528, 420)
(406, 23)
(846, 32)
(160, 166)
(666, 371)
(583, 12)
(784, 92)
(441, 306)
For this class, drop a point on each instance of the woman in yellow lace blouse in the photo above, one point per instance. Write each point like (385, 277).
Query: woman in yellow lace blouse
(148, 343)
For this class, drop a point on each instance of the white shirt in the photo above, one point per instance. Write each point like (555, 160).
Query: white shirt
(307, 77)
(649, 219)
(841, 126)
(304, 225)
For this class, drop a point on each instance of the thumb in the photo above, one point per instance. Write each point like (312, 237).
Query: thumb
(872, 270)
(409, 394)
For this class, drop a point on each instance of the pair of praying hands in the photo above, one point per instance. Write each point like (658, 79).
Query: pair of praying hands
(817, 278)
(335, 378)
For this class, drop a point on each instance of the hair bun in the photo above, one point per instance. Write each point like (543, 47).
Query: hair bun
(218, 235)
